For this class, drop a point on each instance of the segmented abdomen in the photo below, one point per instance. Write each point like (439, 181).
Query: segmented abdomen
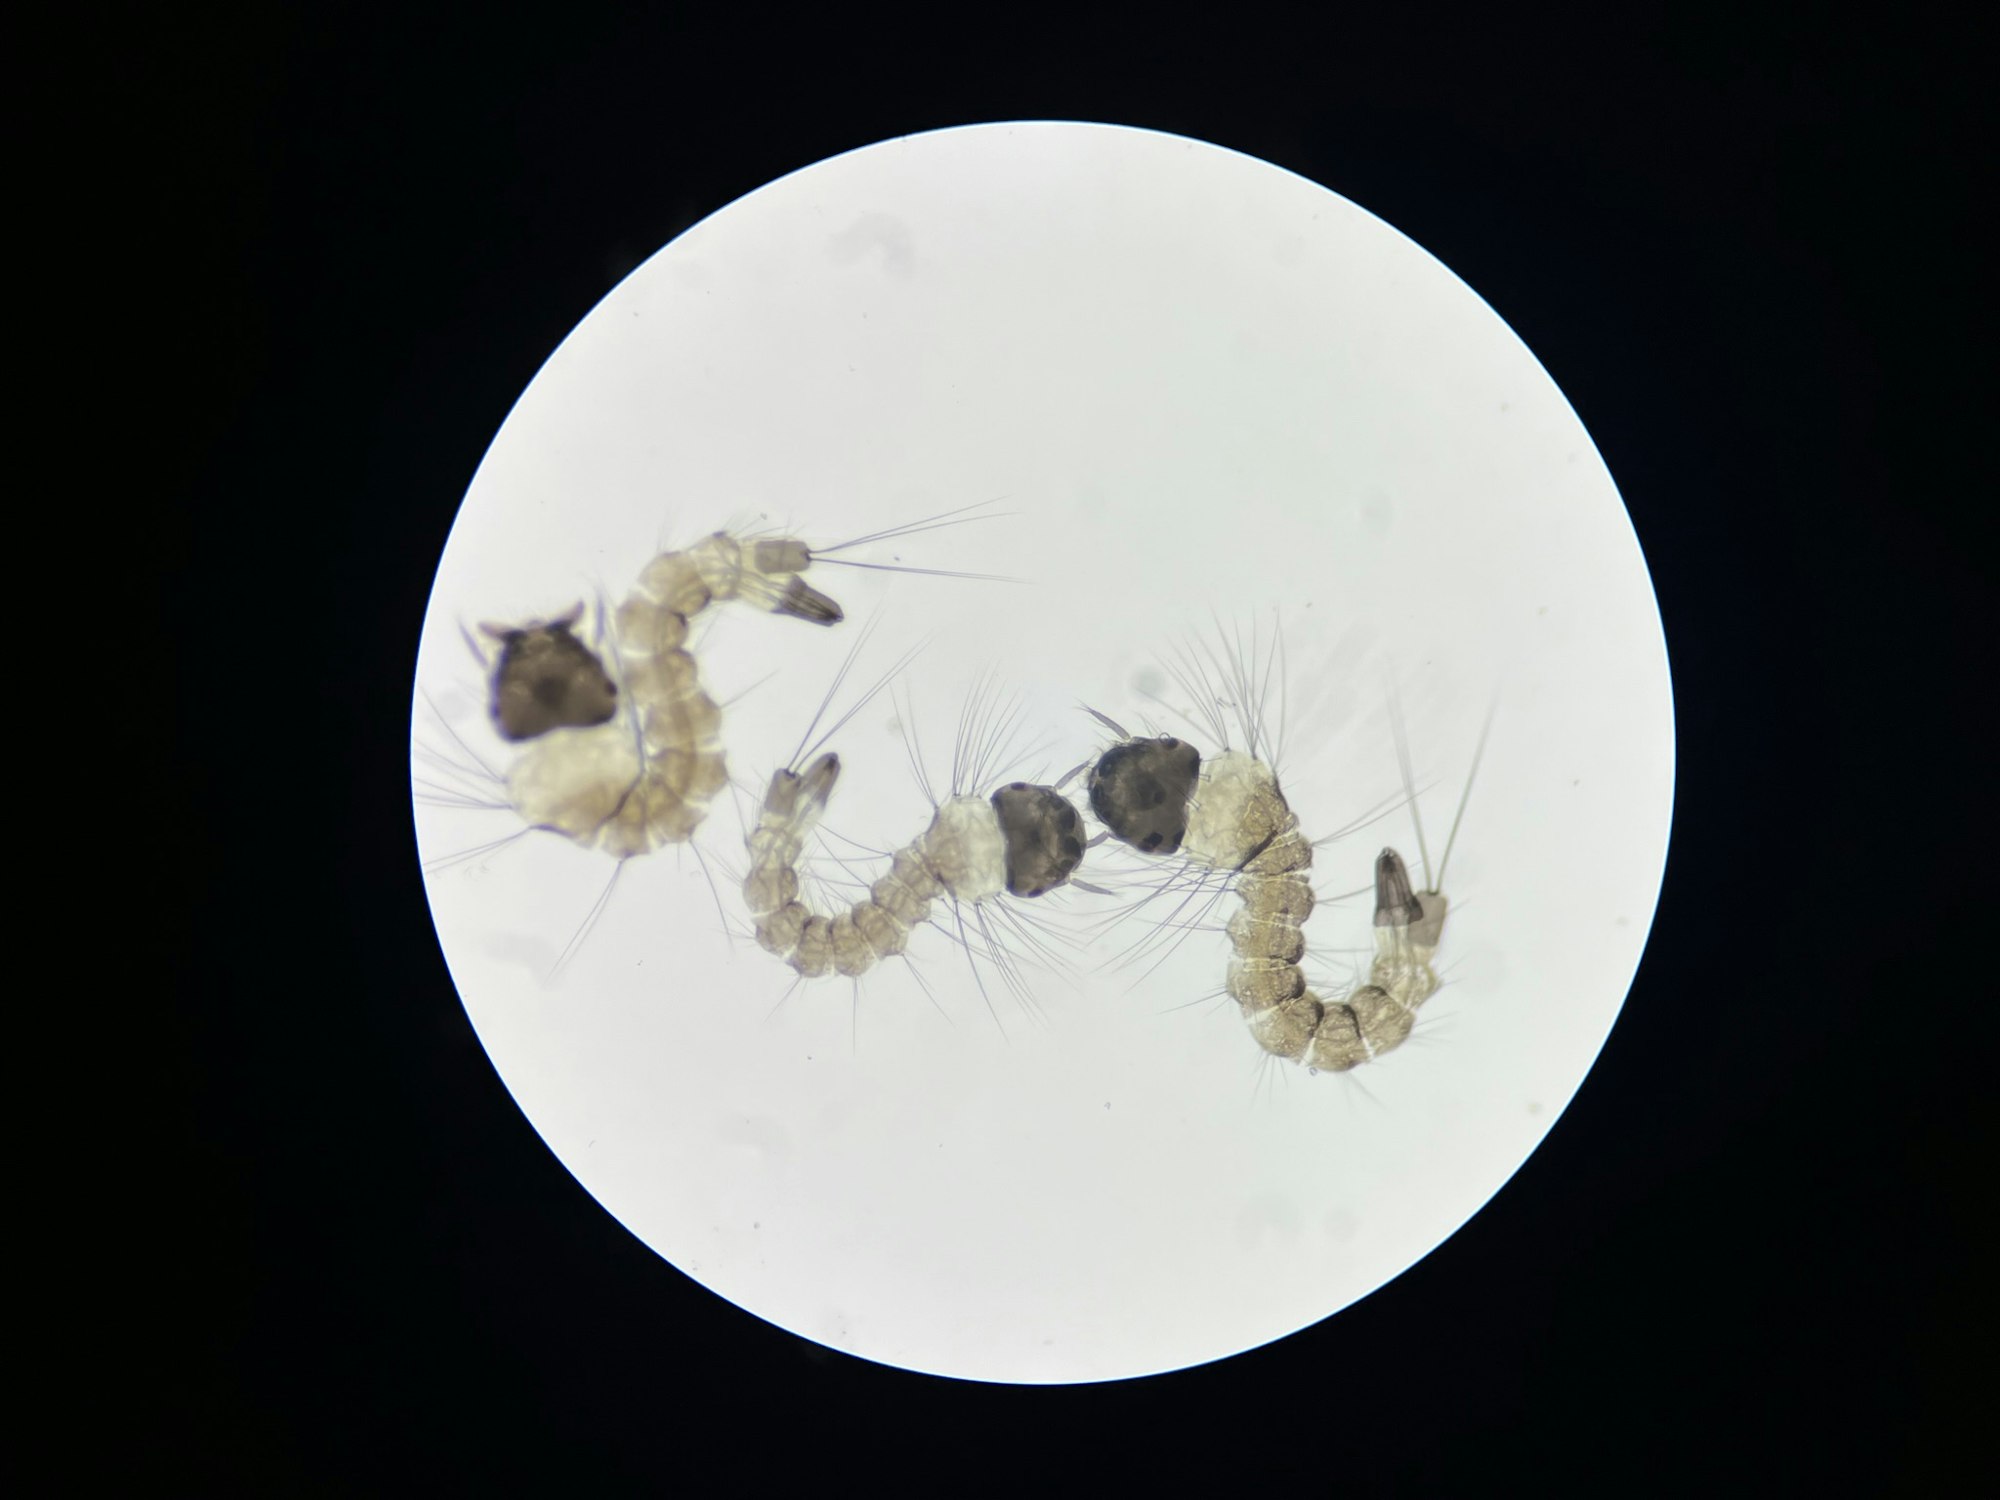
(850, 942)
(1285, 1016)
(1238, 820)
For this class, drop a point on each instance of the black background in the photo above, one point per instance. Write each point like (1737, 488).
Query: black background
(1740, 244)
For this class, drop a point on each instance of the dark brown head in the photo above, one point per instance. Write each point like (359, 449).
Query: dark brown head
(547, 679)
(1140, 791)
(1042, 832)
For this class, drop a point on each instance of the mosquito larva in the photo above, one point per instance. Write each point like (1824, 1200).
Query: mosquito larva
(1227, 813)
(1023, 841)
(622, 747)
(626, 783)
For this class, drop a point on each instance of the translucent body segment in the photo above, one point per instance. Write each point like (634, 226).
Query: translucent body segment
(674, 583)
(1283, 898)
(650, 627)
(1257, 984)
(1383, 1017)
(964, 849)
(905, 893)
(773, 555)
(851, 953)
(770, 887)
(663, 677)
(687, 721)
(884, 933)
(814, 954)
(779, 931)
(1239, 820)
(1281, 938)
(1288, 1027)
(1271, 923)
(599, 790)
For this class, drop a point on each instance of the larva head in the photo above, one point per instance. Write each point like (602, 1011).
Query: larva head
(1396, 905)
(1140, 789)
(1041, 830)
(547, 679)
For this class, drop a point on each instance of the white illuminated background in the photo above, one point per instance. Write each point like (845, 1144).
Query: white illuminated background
(1204, 396)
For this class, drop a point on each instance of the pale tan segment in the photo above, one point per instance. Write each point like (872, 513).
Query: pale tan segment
(780, 929)
(964, 850)
(958, 855)
(599, 790)
(1271, 923)
(880, 929)
(905, 892)
(1239, 819)
(1287, 1028)
(813, 956)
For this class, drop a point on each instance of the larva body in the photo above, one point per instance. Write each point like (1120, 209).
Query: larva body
(1228, 814)
(626, 755)
(1023, 841)
(604, 727)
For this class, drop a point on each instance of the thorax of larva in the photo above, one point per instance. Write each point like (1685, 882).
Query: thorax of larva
(1238, 819)
(966, 850)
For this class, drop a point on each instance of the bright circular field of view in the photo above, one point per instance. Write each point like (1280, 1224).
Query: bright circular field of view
(1153, 422)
